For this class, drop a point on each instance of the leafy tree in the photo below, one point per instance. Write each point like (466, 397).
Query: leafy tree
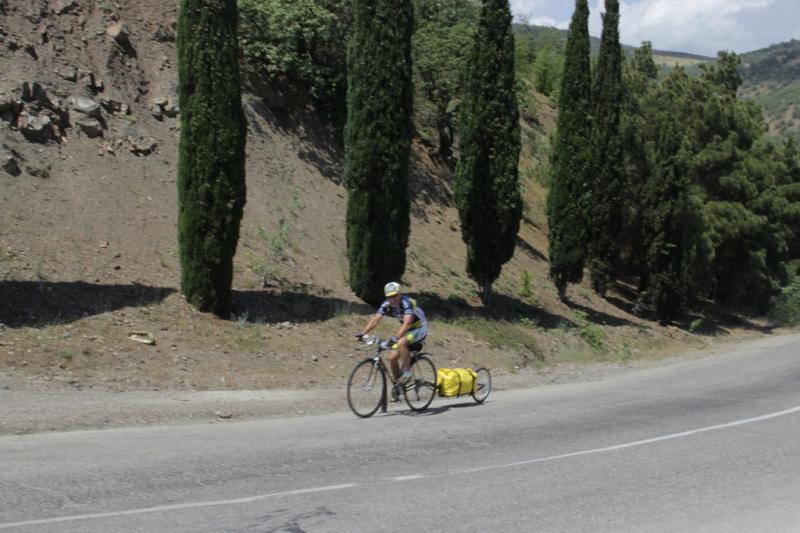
(377, 143)
(298, 47)
(441, 44)
(211, 160)
(606, 154)
(571, 159)
(677, 247)
(547, 67)
(487, 181)
(715, 201)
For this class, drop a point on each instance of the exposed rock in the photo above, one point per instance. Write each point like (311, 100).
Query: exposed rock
(35, 128)
(86, 106)
(164, 34)
(31, 50)
(9, 164)
(69, 74)
(144, 337)
(171, 110)
(143, 146)
(63, 7)
(36, 92)
(115, 107)
(9, 102)
(26, 91)
(90, 126)
(36, 10)
(160, 107)
(119, 32)
(38, 169)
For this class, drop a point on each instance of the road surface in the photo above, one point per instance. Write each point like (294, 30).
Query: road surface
(706, 445)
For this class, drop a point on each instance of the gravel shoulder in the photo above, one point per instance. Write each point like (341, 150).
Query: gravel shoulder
(47, 407)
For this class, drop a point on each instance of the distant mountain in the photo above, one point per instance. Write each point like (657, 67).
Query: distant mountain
(558, 37)
(772, 78)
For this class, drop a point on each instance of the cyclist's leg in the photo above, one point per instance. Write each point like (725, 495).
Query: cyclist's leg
(404, 357)
(394, 368)
(410, 337)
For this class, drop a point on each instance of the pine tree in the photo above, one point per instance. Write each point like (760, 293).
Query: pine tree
(377, 143)
(571, 159)
(487, 181)
(677, 243)
(607, 155)
(211, 161)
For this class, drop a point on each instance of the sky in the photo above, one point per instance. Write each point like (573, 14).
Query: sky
(695, 26)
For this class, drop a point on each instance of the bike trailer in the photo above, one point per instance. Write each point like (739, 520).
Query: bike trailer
(455, 381)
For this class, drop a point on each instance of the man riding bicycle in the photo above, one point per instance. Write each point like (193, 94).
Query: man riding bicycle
(413, 328)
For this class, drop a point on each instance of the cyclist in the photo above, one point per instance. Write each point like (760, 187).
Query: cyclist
(413, 328)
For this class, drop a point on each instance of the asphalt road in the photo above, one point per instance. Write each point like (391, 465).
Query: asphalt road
(708, 445)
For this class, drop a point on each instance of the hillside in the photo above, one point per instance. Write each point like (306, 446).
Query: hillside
(772, 78)
(88, 252)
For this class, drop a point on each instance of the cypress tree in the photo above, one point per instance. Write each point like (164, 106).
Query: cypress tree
(487, 181)
(211, 164)
(571, 159)
(607, 154)
(638, 76)
(377, 143)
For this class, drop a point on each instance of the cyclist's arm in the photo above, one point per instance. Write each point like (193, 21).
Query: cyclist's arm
(372, 323)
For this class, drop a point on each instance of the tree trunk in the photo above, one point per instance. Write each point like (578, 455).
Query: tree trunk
(486, 292)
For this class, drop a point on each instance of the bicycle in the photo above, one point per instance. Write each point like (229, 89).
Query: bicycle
(367, 386)
(483, 384)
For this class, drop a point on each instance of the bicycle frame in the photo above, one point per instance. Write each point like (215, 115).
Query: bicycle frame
(378, 360)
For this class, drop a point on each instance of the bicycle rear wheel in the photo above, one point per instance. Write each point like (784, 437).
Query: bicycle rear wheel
(366, 387)
(419, 392)
(483, 385)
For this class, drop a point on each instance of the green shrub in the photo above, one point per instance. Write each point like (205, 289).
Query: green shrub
(526, 291)
(696, 324)
(786, 311)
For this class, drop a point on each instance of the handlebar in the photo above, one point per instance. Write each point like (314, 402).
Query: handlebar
(372, 340)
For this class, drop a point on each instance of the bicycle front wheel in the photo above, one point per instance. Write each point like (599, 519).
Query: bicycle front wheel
(366, 387)
(483, 384)
(419, 392)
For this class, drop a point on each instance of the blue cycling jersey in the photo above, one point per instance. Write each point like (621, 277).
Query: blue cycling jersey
(406, 306)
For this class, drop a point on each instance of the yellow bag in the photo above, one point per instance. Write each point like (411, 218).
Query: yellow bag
(455, 381)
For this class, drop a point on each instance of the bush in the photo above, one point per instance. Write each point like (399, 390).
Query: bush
(786, 311)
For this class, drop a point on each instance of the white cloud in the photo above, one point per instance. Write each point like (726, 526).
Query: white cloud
(546, 21)
(541, 12)
(699, 26)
